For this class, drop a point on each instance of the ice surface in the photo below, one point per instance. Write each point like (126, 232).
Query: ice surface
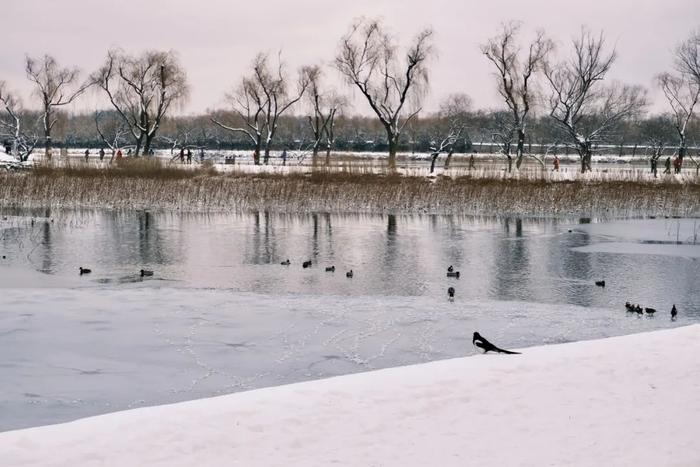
(221, 315)
(674, 237)
(71, 353)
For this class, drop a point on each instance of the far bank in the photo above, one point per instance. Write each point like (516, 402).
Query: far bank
(204, 189)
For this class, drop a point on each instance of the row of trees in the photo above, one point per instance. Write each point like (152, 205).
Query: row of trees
(569, 96)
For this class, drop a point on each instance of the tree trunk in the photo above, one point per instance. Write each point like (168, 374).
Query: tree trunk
(144, 134)
(328, 155)
(139, 142)
(393, 147)
(256, 153)
(586, 161)
(448, 159)
(266, 157)
(433, 159)
(314, 155)
(47, 133)
(520, 149)
(147, 146)
(510, 163)
(584, 150)
(681, 151)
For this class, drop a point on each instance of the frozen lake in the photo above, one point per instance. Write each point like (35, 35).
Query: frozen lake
(221, 314)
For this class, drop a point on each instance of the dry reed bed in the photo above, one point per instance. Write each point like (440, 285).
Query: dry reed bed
(163, 188)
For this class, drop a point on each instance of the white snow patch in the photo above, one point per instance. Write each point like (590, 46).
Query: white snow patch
(632, 400)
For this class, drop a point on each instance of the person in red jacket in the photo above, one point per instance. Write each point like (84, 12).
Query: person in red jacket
(677, 162)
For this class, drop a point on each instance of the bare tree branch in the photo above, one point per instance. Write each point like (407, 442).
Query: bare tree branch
(514, 75)
(55, 87)
(142, 89)
(367, 59)
(580, 104)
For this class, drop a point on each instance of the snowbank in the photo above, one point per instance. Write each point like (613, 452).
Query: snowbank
(632, 400)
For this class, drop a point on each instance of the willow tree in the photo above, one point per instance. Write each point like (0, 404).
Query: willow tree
(449, 127)
(55, 86)
(515, 72)
(369, 60)
(584, 108)
(325, 104)
(143, 89)
(259, 101)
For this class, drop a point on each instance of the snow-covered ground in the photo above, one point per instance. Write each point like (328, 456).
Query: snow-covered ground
(605, 167)
(632, 400)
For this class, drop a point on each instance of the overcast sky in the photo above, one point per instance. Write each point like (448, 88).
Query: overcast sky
(216, 39)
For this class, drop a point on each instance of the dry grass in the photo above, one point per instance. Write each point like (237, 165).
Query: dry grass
(148, 184)
(126, 168)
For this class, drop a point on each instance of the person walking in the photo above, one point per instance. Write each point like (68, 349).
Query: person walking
(87, 154)
(284, 157)
(556, 163)
(677, 165)
(654, 161)
(189, 156)
(472, 166)
(182, 155)
(102, 154)
(667, 165)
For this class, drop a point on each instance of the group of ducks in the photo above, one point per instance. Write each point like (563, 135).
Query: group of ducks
(142, 272)
(450, 290)
(638, 309)
(307, 264)
(650, 311)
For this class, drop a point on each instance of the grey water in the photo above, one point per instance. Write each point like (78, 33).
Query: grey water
(221, 314)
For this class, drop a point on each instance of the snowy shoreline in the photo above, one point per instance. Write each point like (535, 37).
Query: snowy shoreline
(630, 400)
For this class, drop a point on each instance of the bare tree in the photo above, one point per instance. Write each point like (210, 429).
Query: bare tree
(585, 109)
(451, 125)
(325, 104)
(682, 89)
(260, 100)
(181, 134)
(502, 133)
(111, 129)
(688, 56)
(55, 87)
(248, 102)
(19, 137)
(514, 75)
(682, 93)
(368, 59)
(142, 89)
(657, 132)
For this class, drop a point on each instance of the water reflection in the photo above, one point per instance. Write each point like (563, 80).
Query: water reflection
(45, 247)
(511, 258)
